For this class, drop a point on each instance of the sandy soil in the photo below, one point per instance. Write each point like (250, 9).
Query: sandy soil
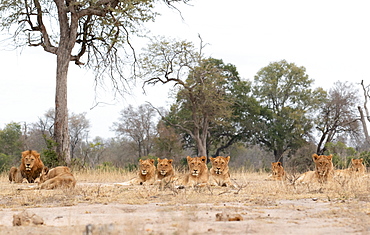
(164, 213)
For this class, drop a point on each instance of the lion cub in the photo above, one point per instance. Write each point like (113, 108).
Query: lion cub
(198, 171)
(219, 172)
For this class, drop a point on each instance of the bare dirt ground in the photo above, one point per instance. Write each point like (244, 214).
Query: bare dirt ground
(98, 206)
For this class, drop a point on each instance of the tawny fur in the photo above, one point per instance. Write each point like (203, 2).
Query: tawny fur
(63, 180)
(357, 169)
(198, 171)
(219, 172)
(278, 172)
(30, 167)
(15, 175)
(49, 174)
(324, 170)
(147, 171)
(165, 169)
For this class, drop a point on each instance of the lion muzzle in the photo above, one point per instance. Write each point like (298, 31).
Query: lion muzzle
(144, 172)
(163, 172)
(28, 167)
(218, 171)
(195, 173)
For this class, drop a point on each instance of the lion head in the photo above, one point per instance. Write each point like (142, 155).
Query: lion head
(324, 166)
(277, 170)
(357, 166)
(220, 165)
(31, 165)
(146, 170)
(197, 165)
(164, 168)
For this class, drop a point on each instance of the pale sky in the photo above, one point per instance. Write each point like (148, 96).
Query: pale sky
(330, 38)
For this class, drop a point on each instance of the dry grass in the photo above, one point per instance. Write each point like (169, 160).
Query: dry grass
(98, 188)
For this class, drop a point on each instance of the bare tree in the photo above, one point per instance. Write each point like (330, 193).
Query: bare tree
(366, 116)
(337, 114)
(79, 130)
(139, 126)
(94, 31)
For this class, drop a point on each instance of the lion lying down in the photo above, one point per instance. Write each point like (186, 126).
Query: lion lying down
(58, 177)
(324, 170)
(219, 172)
(278, 172)
(29, 169)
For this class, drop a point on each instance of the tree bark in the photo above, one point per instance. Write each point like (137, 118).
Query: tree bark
(364, 126)
(61, 133)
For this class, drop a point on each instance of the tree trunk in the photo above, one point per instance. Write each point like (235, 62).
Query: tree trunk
(61, 133)
(278, 153)
(364, 126)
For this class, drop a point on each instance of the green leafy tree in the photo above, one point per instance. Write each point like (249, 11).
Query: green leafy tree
(76, 31)
(11, 145)
(287, 106)
(206, 93)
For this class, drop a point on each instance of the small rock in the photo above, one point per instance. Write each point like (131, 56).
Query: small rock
(27, 218)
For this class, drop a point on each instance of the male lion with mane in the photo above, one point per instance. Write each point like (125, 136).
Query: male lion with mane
(219, 172)
(29, 170)
(198, 171)
(324, 170)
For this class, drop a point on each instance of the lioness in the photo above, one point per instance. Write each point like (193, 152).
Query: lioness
(198, 171)
(30, 168)
(219, 172)
(49, 174)
(146, 171)
(165, 169)
(324, 170)
(278, 172)
(63, 180)
(356, 169)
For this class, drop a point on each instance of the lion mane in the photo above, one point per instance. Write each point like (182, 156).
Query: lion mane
(198, 171)
(31, 166)
(219, 172)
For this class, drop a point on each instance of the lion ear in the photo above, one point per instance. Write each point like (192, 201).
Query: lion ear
(188, 158)
(361, 160)
(45, 170)
(228, 158)
(315, 156)
(151, 160)
(170, 160)
(203, 158)
(140, 160)
(278, 163)
(211, 158)
(330, 156)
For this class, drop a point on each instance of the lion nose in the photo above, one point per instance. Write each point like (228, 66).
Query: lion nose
(28, 164)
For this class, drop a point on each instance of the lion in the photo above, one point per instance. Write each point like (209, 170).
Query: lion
(49, 174)
(356, 169)
(278, 172)
(146, 171)
(63, 180)
(31, 166)
(165, 169)
(219, 172)
(15, 175)
(324, 170)
(198, 171)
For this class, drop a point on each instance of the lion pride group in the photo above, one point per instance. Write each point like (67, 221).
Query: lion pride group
(324, 171)
(32, 170)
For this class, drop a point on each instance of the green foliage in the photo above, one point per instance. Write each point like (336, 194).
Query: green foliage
(10, 141)
(5, 162)
(107, 166)
(49, 155)
(342, 154)
(287, 104)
